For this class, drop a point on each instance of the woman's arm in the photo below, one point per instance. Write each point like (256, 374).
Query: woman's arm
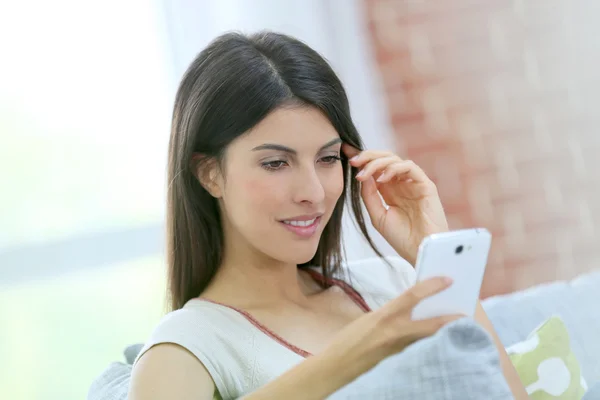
(168, 371)
(510, 374)
(317, 377)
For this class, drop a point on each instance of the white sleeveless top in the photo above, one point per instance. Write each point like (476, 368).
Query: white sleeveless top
(240, 354)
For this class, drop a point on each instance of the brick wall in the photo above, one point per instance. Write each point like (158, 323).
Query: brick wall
(496, 100)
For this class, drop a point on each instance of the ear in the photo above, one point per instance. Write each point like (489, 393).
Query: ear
(207, 171)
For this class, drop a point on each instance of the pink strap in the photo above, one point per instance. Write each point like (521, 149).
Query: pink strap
(349, 290)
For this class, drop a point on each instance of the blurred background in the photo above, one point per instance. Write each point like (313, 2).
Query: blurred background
(495, 99)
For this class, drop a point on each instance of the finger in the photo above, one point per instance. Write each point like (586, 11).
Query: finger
(373, 201)
(413, 296)
(349, 150)
(369, 155)
(376, 165)
(404, 169)
(413, 331)
(427, 327)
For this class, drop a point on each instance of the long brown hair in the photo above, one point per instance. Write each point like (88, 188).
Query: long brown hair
(229, 88)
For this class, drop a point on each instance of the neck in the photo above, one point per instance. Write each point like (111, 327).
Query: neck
(250, 279)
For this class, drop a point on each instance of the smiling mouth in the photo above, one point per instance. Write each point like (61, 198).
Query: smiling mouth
(303, 229)
(300, 223)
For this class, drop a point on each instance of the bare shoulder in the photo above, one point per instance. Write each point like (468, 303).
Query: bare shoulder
(169, 371)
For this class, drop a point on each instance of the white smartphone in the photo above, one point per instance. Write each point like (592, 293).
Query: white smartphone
(461, 255)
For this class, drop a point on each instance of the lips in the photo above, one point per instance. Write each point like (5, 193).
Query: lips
(301, 223)
(304, 226)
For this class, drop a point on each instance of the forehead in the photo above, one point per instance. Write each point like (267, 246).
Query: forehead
(296, 127)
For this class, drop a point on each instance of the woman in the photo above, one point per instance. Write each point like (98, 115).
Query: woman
(262, 156)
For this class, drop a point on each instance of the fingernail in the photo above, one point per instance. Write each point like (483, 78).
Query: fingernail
(354, 158)
(381, 177)
(447, 280)
(360, 173)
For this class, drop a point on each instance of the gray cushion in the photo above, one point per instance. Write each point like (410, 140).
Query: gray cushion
(515, 315)
(112, 383)
(593, 393)
(460, 362)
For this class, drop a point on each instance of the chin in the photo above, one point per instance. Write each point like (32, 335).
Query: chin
(295, 253)
(302, 257)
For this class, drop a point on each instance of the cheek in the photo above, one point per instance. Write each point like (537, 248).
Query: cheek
(259, 192)
(248, 201)
(334, 184)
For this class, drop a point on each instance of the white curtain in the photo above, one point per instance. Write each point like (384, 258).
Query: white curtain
(87, 96)
(86, 91)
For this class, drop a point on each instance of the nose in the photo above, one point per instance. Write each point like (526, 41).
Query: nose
(308, 187)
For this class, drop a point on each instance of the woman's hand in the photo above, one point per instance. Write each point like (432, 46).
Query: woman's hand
(388, 330)
(415, 210)
(358, 347)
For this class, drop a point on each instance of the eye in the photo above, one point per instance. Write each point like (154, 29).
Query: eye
(330, 159)
(273, 165)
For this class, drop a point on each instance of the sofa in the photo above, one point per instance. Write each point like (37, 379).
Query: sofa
(514, 316)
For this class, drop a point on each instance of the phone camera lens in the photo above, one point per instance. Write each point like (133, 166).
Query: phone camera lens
(459, 249)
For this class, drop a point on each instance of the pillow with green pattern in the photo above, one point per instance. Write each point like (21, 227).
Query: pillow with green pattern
(546, 364)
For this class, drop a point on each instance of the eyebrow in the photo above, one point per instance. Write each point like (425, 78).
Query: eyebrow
(279, 147)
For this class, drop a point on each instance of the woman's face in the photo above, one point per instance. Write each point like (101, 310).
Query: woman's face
(282, 182)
